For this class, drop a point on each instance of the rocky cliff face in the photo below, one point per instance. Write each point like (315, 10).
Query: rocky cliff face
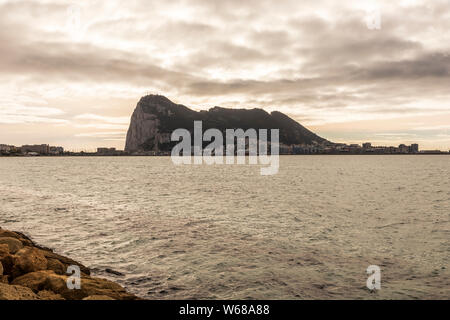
(143, 127)
(155, 117)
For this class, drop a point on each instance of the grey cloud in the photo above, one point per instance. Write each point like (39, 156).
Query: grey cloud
(435, 65)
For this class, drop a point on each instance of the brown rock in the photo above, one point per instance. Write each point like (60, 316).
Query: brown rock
(4, 279)
(89, 287)
(66, 261)
(4, 250)
(13, 244)
(103, 287)
(49, 295)
(8, 234)
(56, 266)
(4, 254)
(58, 284)
(98, 298)
(38, 273)
(27, 260)
(48, 280)
(10, 292)
(33, 280)
(8, 263)
(25, 240)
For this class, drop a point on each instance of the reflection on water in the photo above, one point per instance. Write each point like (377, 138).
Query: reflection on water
(226, 232)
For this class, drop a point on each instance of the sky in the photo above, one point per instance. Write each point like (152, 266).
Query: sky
(71, 73)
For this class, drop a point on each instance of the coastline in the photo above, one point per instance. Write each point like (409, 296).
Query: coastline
(29, 271)
(87, 155)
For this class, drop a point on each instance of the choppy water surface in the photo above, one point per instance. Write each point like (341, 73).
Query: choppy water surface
(226, 232)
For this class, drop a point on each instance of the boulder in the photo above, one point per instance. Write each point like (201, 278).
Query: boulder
(56, 266)
(8, 262)
(114, 272)
(33, 280)
(5, 259)
(4, 279)
(32, 272)
(26, 241)
(12, 292)
(66, 261)
(89, 287)
(98, 298)
(4, 250)
(13, 244)
(49, 295)
(8, 234)
(103, 287)
(49, 280)
(27, 260)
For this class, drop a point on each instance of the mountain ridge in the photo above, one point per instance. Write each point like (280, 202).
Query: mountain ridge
(156, 117)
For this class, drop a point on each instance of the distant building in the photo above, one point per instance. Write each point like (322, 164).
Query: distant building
(106, 151)
(403, 148)
(56, 150)
(4, 148)
(37, 148)
(414, 148)
(367, 145)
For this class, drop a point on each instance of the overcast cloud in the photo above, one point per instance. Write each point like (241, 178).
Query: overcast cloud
(72, 73)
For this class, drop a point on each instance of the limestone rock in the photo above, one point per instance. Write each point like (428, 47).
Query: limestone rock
(17, 235)
(8, 234)
(8, 264)
(98, 298)
(27, 260)
(25, 240)
(32, 272)
(103, 287)
(4, 250)
(156, 117)
(49, 295)
(12, 292)
(48, 280)
(66, 261)
(144, 128)
(34, 280)
(5, 258)
(56, 266)
(4, 279)
(13, 243)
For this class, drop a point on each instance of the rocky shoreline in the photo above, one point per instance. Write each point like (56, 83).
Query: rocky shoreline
(31, 272)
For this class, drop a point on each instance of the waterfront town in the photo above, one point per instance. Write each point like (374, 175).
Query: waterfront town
(330, 148)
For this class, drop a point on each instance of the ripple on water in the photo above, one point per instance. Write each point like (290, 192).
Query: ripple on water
(204, 232)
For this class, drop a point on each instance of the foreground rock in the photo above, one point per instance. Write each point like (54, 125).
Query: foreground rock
(11, 292)
(32, 272)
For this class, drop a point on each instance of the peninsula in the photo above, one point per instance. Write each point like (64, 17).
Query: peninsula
(156, 117)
